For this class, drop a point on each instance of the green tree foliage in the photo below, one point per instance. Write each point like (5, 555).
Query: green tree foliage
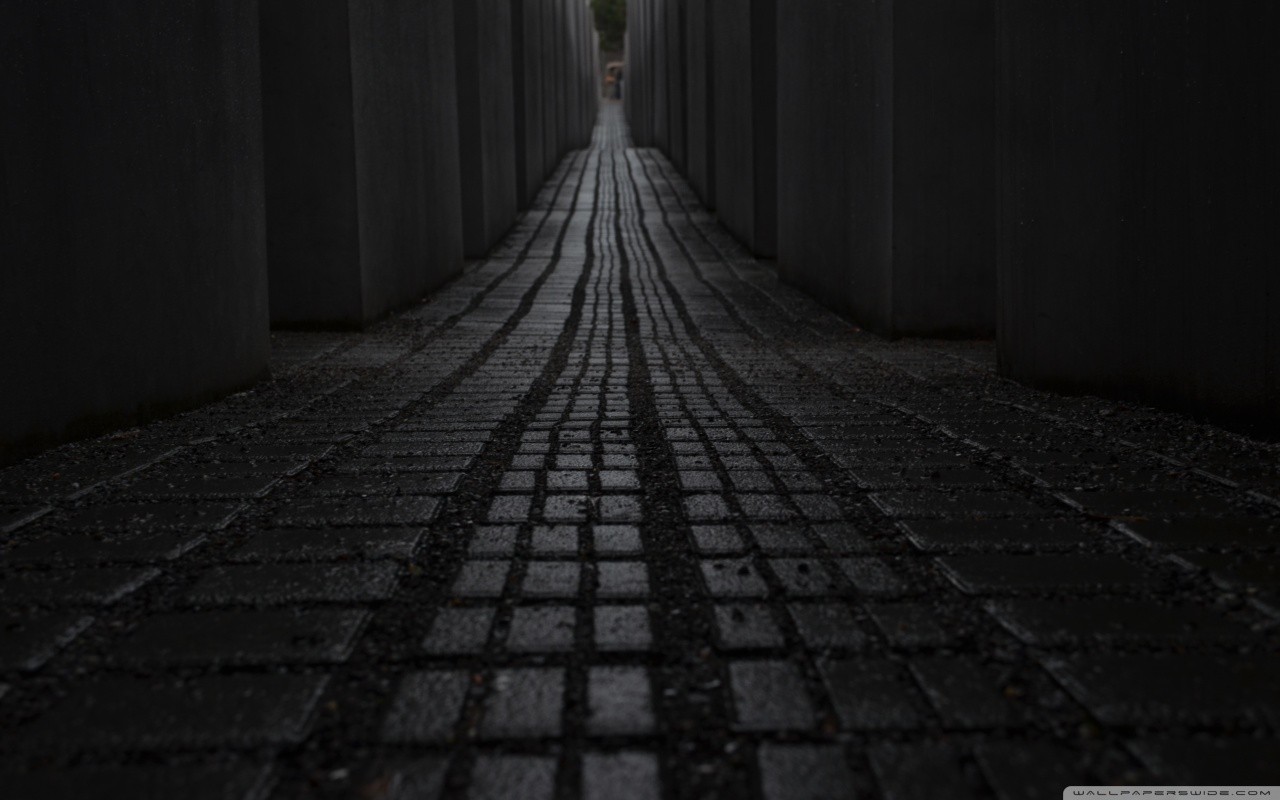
(611, 21)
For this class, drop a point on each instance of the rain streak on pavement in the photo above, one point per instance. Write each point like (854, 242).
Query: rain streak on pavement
(615, 515)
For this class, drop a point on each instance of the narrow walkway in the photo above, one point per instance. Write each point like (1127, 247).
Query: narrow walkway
(617, 516)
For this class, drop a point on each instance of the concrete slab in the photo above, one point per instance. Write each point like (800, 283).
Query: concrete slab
(132, 254)
(486, 122)
(1137, 204)
(745, 87)
(901, 234)
(362, 186)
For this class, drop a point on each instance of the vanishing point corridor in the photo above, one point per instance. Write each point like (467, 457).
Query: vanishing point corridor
(615, 515)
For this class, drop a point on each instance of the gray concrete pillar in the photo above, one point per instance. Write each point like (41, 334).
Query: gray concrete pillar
(361, 154)
(699, 70)
(528, 20)
(745, 88)
(674, 54)
(661, 110)
(486, 122)
(639, 74)
(886, 162)
(1137, 202)
(132, 253)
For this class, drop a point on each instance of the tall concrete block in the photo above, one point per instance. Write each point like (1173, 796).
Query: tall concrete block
(660, 66)
(639, 71)
(132, 249)
(551, 89)
(576, 42)
(700, 166)
(745, 88)
(886, 162)
(677, 76)
(486, 122)
(1137, 202)
(361, 152)
(528, 57)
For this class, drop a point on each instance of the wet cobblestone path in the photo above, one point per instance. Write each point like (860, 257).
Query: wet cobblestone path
(615, 515)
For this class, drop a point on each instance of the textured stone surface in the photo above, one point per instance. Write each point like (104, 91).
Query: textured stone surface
(867, 588)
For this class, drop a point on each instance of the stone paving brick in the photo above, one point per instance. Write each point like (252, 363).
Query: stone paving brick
(1077, 622)
(567, 508)
(781, 539)
(211, 487)
(243, 637)
(459, 631)
(541, 629)
(969, 694)
(218, 711)
(423, 778)
(824, 626)
(494, 541)
(873, 694)
(194, 782)
(85, 549)
(1183, 533)
(619, 480)
(28, 641)
(764, 507)
(617, 540)
(706, 508)
(481, 579)
(1140, 503)
(770, 696)
(622, 579)
(801, 577)
(514, 508)
(620, 776)
(622, 628)
(266, 451)
(970, 504)
(13, 518)
(524, 703)
(1001, 573)
(519, 481)
(360, 512)
(619, 702)
(90, 585)
(337, 544)
(913, 625)
(842, 539)
(500, 777)
(717, 540)
(947, 535)
(365, 466)
(293, 583)
(805, 772)
(1032, 770)
(733, 578)
(427, 483)
(1238, 572)
(921, 772)
(1168, 690)
(818, 507)
(154, 516)
(567, 481)
(426, 707)
(552, 579)
(1208, 760)
(873, 577)
(554, 541)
